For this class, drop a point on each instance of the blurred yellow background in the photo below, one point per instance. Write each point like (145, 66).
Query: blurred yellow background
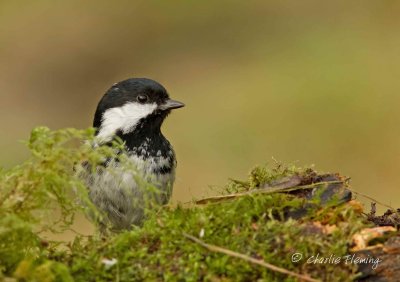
(309, 82)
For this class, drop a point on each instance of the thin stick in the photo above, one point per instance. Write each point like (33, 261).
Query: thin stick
(272, 267)
(269, 190)
(370, 198)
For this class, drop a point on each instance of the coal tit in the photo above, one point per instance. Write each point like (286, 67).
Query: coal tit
(133, 110)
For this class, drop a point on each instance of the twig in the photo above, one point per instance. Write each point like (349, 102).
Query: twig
(269, 190)
(370, 198)
(272, 267)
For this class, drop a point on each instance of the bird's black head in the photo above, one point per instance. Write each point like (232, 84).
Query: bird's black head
(133, 105)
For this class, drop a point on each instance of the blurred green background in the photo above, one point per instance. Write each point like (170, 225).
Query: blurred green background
(311, 82)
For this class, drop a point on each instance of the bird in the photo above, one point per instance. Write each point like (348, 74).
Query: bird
(134, 111)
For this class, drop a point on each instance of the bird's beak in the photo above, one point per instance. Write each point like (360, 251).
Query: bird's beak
(170, 104)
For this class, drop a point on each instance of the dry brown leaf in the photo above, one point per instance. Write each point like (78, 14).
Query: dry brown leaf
(365, 236)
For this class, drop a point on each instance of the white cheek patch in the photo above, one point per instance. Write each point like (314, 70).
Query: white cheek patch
(123, 118)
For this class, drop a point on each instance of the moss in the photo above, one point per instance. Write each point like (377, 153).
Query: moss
(255, 224)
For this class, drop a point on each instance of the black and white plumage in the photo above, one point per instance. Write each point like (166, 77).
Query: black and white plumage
(134, 110)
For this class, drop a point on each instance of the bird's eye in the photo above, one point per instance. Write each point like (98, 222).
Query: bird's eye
(142, 99)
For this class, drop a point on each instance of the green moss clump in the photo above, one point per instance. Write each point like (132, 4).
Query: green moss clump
(255, 225)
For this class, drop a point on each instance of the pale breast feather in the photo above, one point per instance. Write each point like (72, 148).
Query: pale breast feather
(123, 193)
